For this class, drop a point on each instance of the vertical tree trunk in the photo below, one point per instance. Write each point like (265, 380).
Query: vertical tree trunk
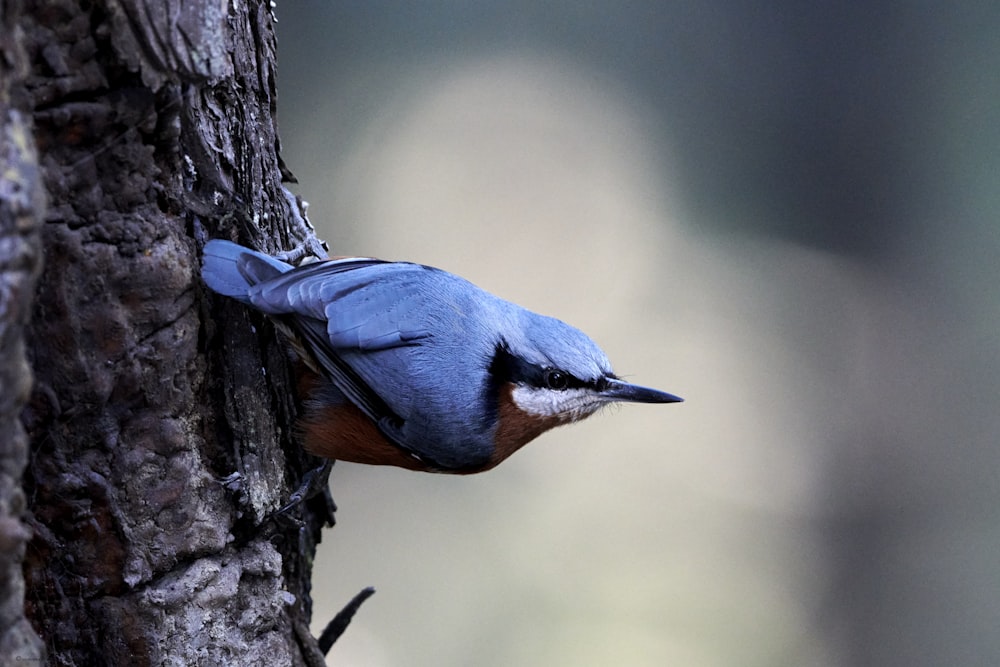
(22, 203)
(155, 129)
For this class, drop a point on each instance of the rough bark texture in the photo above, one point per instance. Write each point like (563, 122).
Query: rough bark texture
(22, 204)
(155, 128)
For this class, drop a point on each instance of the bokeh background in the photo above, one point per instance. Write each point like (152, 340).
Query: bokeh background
(786, 213)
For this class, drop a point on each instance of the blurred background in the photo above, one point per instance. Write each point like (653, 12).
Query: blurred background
(786, 213)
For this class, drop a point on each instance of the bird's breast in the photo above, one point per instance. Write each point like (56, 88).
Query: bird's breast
(515, 427)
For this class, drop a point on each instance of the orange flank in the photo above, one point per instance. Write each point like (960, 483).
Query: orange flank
(344, 433)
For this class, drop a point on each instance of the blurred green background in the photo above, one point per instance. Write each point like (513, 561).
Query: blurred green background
(786, 213)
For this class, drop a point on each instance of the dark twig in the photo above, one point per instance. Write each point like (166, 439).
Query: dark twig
(336, 627)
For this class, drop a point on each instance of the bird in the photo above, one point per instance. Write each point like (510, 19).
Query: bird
(411, 366)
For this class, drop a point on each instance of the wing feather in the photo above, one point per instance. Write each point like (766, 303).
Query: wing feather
(367, 304)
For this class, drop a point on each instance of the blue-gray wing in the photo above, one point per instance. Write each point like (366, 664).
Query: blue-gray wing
(367, 304)
(344, 307)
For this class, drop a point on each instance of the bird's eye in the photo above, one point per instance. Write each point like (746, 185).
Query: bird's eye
(556, 380)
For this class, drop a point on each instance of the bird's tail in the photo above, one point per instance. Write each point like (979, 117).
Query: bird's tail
(230, 269)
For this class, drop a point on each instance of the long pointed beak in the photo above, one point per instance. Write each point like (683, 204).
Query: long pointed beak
(617, 390)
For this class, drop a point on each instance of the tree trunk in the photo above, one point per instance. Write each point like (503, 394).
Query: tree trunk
(22, 203)
(160, 420)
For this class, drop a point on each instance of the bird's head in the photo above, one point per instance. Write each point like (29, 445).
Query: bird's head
(551, 374)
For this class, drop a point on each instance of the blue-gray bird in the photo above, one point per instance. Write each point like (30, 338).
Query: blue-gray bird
(411, 366)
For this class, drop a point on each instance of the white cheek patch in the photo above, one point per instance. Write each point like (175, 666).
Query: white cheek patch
(570, 404)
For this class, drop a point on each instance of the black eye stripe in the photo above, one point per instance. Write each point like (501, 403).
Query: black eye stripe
(506, 367)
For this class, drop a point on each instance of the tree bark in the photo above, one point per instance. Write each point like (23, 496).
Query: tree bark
(22, 203)
(160, 420)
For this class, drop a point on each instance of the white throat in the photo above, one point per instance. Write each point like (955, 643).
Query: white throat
(567, 404)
